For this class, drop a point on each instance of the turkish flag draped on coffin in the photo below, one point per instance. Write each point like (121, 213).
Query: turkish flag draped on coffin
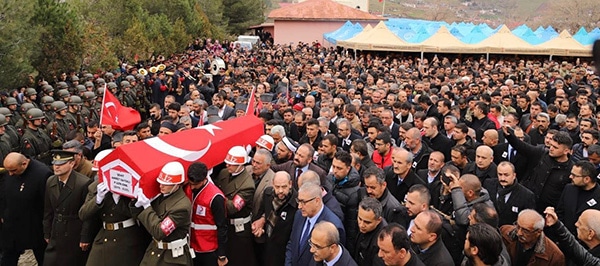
(116, 115)
(139, 163)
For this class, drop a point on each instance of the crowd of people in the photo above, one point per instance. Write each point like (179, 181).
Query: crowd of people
(375, 159)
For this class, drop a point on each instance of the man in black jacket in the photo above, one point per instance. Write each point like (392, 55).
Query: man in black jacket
(481, 122)
(583, 193)
(550, 168)
(509, 197)
(375, 186)
(415, 145)
(279, 207)
(568, 244)
(425, 234)
(400, 176)
(370, 223)
(435, 140)
(345, 189)
(484, 166)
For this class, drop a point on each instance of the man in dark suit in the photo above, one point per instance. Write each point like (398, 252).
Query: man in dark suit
(506, 152)
(225, 111)
(345, 134)
(400, 176)
(583, 193)
(326, 248)
(303, 162)
(431, 175)
(387, 119)
(509, 197)
(279, 208)
(311, 211)
(22, 207)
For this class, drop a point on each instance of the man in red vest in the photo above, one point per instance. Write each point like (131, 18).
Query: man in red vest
(208, 235)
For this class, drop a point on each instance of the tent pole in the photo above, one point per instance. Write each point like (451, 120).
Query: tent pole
(421, 56)
(550, 58)
(487, 57)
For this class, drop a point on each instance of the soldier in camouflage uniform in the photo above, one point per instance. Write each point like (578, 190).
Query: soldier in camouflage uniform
(4, 145)
(11, 135)
(74, 114)
(125, 96)
(30, 96)
(142, 99)
(35, 143)
(59, 127)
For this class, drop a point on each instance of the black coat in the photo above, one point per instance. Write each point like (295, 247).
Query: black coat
(345, 143)
(346, 193)
(367, 249)
(569, 208)
(399, 191)
(22, 207)
(520, 161)
(440, 143)
(422, 159)
(275, 244)
(548, 177)
(488, 173)
(520, 199)
(436, 255)
(570, 247)
(345, 260)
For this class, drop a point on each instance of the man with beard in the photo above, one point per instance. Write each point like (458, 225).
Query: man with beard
(431, 175)
(583, 193)
(360, 150)
(382, 156)
(483, 245)
(375, 186)
(508, 195)
(278, 210)
(328, 149)
(580, 150)
(208, 237)
(303, 162)
(225, 111)
(22, 207)
(538, 134)
(370, 223)
(313, 135)
(284, 150)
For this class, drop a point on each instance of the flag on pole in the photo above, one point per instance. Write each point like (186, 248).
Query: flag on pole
(251, 103)
(117, 115)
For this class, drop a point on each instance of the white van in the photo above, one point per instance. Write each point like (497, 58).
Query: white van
(248, 38)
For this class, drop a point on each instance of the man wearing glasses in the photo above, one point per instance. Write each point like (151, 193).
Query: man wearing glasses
(526, 243)
(583, 193)
(310, 212)
(326, 248)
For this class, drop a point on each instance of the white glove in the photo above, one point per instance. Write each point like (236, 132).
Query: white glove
(101, 191)
(142, 200)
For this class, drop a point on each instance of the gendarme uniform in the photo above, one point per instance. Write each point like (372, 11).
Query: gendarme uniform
(239, 191)
(168, 222)
(35, 142)
(120, 241)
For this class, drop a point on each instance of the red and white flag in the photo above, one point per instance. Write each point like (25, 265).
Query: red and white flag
(117, 115)
(251, 104)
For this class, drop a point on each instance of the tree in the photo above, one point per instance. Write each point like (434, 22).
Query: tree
(243, 14)
(572, 15)
(16, 43)
(60, 47)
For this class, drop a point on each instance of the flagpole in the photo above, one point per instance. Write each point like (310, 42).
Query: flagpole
(383, 9)
(102, 107)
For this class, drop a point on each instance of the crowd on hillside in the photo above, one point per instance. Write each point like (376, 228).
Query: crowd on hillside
(366, 159)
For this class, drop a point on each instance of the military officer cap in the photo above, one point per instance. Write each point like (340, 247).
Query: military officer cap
(89, 84)
(47, 100)
(58, 106)
(74, 78)
(130, 78)
(100, 81)
(125, 84)
(60, 157)
(112, 85)
(75, 100)
(30, 92)
(11, 101)
(47, 89)
(5, 111)
(63, 93)
(26, 106)
(3, 120)
(80, 88)
(89, 95)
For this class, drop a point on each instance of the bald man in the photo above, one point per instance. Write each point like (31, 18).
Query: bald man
(22, 209)
(466, 192)
(588, 232)
(326, 248)
(484, 166)
(420, 152)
